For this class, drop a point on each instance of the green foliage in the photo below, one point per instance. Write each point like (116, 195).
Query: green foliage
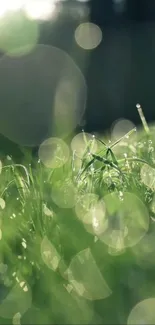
(77, 244)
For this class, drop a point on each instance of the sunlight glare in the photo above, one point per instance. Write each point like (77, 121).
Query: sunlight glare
(10, 5)
(3, 9)
(14, 5)
(42, 9)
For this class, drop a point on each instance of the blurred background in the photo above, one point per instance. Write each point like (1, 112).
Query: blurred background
(96, 62)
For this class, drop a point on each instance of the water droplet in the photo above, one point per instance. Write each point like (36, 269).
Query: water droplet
(2, 203)
(138, 105)
(24, 244)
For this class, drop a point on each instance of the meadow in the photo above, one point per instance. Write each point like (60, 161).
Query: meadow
(77, 231)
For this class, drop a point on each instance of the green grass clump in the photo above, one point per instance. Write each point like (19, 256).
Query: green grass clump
(77, 242)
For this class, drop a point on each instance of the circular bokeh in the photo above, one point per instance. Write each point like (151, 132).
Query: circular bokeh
(83, 206)
(143, 313)
(53, 153)
(88, 35)
(83, 142)
(127, 218)
(42, 94)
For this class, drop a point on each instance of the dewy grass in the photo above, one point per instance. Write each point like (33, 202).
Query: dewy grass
(77, 244)
(142, 117)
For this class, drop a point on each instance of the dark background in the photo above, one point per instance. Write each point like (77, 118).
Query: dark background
(120, 72)
(127, 55)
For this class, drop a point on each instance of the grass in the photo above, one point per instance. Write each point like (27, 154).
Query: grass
(77, 242)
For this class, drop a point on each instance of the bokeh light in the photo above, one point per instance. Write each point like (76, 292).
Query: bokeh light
(18, 34)
(119, 248)
(16, 319)
(53, 153)
(2, 203)
(47, 95)
(47, 212)
(64, 194)
(88, 36)
(98, 217)
(40, 9)
(10, 5)
(120, 128)
(91, 211)
(34, 9)
(67, 99)
(84, 204)
(82, 142)
(76, 163)
(3, 9)
(148, 176)
(86, 278)
(117, 245)
(49, 254)
(143, 313)
(128, 220)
